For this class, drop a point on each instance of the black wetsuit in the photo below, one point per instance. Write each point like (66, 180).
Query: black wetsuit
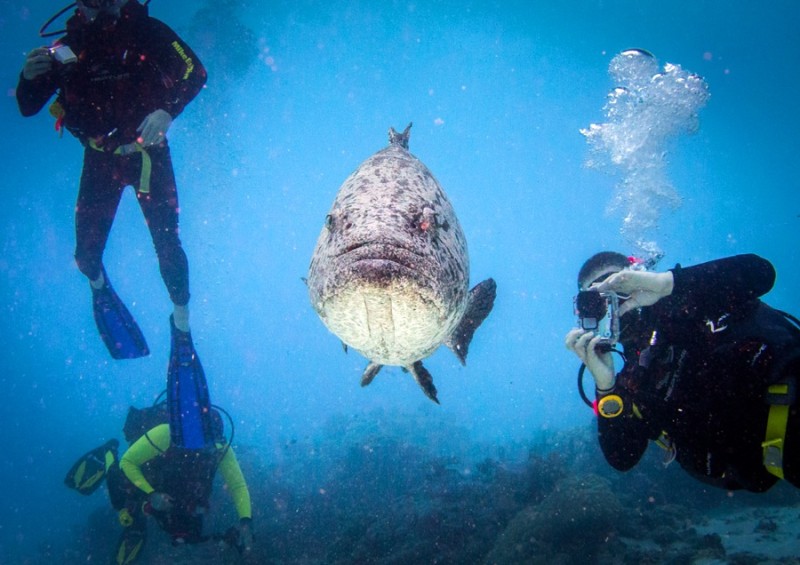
(697, 368)
(123, 73)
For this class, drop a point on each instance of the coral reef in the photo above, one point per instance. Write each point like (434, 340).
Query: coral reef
(571, 524)
(397, 488)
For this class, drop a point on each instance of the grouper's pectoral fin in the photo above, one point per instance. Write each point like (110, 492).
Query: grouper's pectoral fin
(369, 373)
(424, 380)
(481, 301)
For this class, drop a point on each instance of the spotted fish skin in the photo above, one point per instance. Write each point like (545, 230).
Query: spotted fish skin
(390, 272)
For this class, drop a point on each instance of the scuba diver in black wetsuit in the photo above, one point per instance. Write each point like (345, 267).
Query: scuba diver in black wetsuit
(710, 371)
(120, 78)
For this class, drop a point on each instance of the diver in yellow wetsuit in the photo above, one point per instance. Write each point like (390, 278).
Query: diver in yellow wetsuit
(173, 485)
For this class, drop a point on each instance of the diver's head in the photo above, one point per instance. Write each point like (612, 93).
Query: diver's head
(600, 266)
(100, 10)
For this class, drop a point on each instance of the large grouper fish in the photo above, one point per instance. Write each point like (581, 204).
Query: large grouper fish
(390, 272)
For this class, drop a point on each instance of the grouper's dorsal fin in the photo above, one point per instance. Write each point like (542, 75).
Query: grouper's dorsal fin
(400, 139)
(481, 301)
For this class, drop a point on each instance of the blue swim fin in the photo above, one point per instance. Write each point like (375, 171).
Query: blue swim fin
(188, 403)
(118, 329)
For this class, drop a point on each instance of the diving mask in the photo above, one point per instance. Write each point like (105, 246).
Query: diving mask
(90, 10)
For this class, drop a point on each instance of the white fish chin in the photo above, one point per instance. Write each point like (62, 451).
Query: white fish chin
(396, 324)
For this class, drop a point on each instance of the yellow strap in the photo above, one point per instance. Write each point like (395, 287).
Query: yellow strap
(774, 439)
(144, 178)
(135, 147)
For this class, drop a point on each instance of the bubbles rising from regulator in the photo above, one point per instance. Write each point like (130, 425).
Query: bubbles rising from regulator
(644, 112)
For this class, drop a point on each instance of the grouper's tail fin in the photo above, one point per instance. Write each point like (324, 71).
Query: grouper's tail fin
(481, 301)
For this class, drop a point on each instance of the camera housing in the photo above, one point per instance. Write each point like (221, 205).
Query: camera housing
(63, 54)
(598, 312)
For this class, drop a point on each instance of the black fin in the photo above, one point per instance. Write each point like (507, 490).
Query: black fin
(424, 380)
(130, 544)
(88, 472)
(481, 301)
(369, 373)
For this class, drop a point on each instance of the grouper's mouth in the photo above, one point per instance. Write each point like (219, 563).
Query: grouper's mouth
(370, 256)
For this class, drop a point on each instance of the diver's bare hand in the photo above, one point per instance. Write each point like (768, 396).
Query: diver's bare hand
(644, 288)
(600, 363)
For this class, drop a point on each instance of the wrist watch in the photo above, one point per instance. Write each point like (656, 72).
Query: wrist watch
(610, 406)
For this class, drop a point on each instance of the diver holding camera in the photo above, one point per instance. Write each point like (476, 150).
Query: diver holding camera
(120, 77)
(709, 370)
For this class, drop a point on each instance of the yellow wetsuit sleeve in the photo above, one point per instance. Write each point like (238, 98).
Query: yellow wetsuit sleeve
(142, 451)
(235, 483)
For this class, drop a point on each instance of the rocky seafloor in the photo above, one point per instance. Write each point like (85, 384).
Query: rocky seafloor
(388, 491)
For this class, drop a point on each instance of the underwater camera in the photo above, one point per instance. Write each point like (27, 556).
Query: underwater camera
(597, 312)
(62, 54)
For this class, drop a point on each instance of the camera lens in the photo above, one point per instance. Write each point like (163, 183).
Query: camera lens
(591, 304)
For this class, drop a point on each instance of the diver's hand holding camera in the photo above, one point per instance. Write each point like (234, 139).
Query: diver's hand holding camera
(37, 63)
(42, 60)
(588, 347)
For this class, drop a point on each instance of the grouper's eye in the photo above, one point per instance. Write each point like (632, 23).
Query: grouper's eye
(338, 221)
(427, 221)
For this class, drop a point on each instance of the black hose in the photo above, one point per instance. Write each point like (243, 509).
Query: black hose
(52, 19)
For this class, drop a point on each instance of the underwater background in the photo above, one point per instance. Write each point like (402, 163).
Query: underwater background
(299, 94)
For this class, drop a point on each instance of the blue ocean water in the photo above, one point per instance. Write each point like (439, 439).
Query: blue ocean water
(299, 93)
